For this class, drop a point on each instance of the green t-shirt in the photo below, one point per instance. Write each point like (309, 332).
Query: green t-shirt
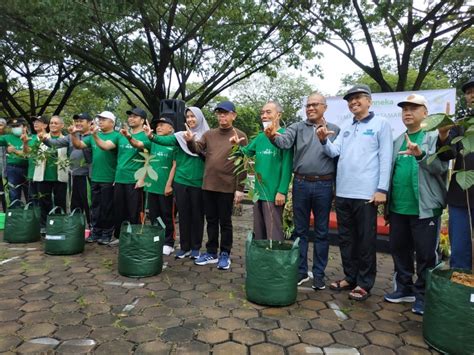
(273, 166)
(189, 169)
(34, 143)
(104, 162)
(161, 163)
(17, 143)
(129, 159)
(404, 195)
(51, 169)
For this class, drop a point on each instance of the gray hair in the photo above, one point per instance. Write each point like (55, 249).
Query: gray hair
(278, 107)
(317, 93)
(58, 117)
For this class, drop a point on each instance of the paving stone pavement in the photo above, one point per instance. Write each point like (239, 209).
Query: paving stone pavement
(80, 304)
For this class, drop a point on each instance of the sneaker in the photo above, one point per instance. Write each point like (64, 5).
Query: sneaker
(224, 261)
(194, 254)
(318, 284)
(167, 250)
(92, 239)
(206, 258)
(104, 240)
(399, 297)
(418, 307)
(181, 254)
(302, 279)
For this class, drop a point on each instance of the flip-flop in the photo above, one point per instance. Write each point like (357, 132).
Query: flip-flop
(336, 285)
(359, 294)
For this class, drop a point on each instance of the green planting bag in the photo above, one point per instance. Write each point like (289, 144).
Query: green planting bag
(64, 232)
(141, 249)
(22, 223)
(448, 321)
(272, 271)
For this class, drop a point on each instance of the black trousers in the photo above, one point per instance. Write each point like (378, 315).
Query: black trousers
(218, 209)
(357, 224)
(102, 209)
(163, 206)
(412, 238)
(51, 194)
(190, 204)
(128, 204)
(33, 194)
(2, 197)
(79, 197)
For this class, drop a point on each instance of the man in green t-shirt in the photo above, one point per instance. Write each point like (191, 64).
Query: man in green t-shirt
(103, 167)
(17, 164)
(128, 197)
(417, 196)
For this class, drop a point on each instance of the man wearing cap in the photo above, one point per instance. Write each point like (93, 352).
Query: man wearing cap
(416, 201)
(17, 163)
(364, 147)
(128, 197)
(103, 166)
(459, 200)
(313, 185)
(160, 190)
(80, 160)
(3, 164)
(221, 187)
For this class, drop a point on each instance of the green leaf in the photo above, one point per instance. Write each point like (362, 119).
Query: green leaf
(457, 139)
(140, 173)
(436, 121)
(255, 197)
(465, 178)
(468, 144)
(152, 173)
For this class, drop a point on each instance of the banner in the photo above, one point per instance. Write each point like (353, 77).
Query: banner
(385, 105)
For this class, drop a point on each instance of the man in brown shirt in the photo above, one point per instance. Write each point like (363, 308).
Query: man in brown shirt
(221, 188)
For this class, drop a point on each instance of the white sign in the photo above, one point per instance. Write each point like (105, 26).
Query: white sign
(385, 105)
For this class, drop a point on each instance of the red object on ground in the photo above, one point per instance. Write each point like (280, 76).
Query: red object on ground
(382, 229)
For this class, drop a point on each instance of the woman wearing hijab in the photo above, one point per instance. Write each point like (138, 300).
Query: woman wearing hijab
(187, 184)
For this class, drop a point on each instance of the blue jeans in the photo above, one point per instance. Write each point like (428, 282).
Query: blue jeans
(317, 197)
(460, 237)
(16, 177)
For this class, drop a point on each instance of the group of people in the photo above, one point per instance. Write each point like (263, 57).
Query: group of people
(190, 171)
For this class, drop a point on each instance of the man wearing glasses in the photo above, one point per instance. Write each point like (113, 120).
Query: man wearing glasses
(313, 184)
(221, 187)
(364, 148)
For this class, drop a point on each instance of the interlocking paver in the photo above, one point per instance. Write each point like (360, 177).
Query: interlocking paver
(81, 304)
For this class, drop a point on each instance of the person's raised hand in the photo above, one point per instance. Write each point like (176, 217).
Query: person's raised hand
(124, 132)
(188, 135)
(323, 133)
(412, 148)
(147, 129)
(235, 138)
(24, 136)
(11, 149)
(271, 131)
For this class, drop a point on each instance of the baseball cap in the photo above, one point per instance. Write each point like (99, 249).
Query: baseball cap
(3, 121)
(17, 122)
(468, 84)
(137, 111)
(165, 120)
(414, 99)
(82, 116)
(225, 106)
(42, 118)
(357, 89)
(107, 114)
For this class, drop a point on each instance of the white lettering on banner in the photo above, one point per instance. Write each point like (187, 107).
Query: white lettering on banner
(55, 237)
(385, 105)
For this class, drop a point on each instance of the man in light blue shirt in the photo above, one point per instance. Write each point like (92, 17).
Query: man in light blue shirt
(364, 147)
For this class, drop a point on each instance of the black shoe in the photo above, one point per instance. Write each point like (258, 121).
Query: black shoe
(302, 278)
(318, 284)
(104, 240)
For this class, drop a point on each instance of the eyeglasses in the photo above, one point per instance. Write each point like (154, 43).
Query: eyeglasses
(315, 105)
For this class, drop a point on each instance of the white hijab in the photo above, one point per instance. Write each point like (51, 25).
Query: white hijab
(199, 130)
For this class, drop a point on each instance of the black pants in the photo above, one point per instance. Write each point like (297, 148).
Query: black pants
(218, 210)
(2, 197)
(189, 202)
(128, 204)
(51, 194)
(33, 193)
(410, 236)
(79, 197)
(102, 209)
(163, 206)
(357, 224)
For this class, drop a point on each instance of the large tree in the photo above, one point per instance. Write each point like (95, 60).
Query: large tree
(404, 28)
(157, 47)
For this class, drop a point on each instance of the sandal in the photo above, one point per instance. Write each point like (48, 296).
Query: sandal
(336, 285)
(359, 294)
